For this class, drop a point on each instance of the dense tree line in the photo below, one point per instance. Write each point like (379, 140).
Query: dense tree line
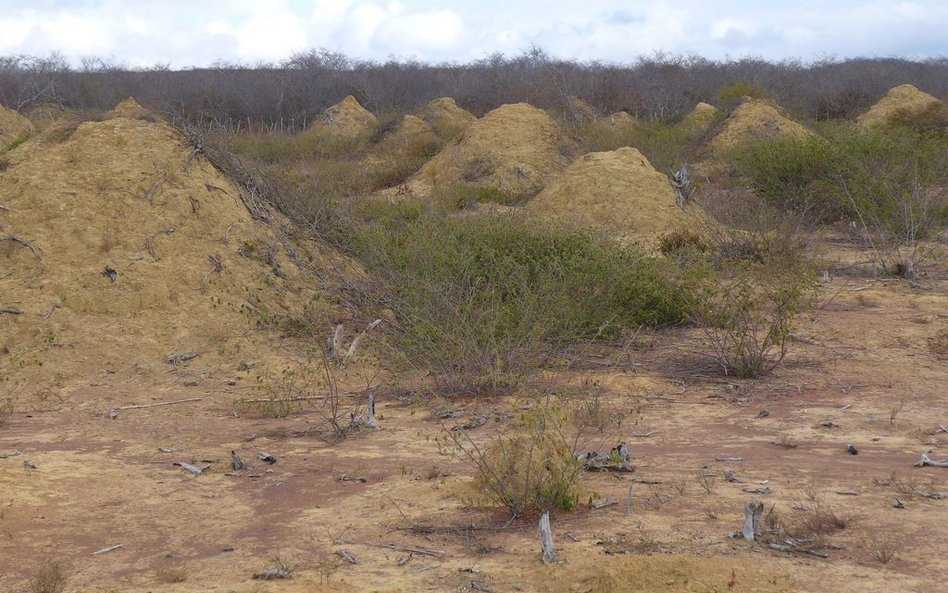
(292, 93)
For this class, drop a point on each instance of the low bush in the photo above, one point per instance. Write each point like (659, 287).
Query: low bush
(533, 468)
(481, 299)
(747, 313)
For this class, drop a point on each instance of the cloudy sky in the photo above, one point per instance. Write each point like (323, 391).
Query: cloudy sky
(185, 33)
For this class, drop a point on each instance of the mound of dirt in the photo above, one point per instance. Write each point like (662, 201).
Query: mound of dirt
(447, 119)
(902, 99)
(754, 120)
(514, 148)
(411, 136)
(620, 119)
(575, 110)
(700, 118)
(120, 250)
(12, 126)
(130, 109)
(617, 191)
(347, 120)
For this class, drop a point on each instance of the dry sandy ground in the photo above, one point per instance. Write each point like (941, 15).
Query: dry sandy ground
(101, 482)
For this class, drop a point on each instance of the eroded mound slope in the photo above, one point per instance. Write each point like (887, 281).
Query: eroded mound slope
(514, 148)
(346, 120)
(754, 120)
(447, 119)
(130, 109)
(119, 250)
(905, 98)
(617, 191)
(12, 126)
(700, 118)
(412, 134)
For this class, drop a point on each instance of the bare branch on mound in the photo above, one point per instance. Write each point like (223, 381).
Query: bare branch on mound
(347, 556)
(217, 265)
(37, 253)
(11, 311)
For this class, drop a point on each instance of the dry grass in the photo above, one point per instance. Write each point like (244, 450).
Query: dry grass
(49, 578)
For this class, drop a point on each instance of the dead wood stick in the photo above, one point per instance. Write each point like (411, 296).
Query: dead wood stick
(37, 253)
(409, 549)
(925, 460)
(107, 549)
(628, 502)
(155, 405)
(5, 208)
(11, 311)
(546, 539)
(752, 513)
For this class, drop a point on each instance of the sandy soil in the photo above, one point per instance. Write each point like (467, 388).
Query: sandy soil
(101, 482)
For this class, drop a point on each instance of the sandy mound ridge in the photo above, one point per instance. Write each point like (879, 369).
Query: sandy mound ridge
(447, 119)
(754, 120)
(620, 119)
(700, 118)
(905, 98)
(578, 111)
(411, 135)
(130, 109)
(514, 148)
(193, 271)
(347, 119)
(617, 191)
(12, 126)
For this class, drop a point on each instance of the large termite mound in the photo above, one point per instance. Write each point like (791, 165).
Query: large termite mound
(121, 247)
(447, 119)
(515, 148)
(13, 127)
(346, 120)
(905, 99)
(618, 192)
(754, 120)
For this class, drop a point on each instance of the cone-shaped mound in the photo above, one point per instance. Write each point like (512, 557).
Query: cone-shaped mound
(412, 135)
(347, 120)
(447, 119)
(754, 120)
(903, 99)
(700, 118)
(514, 148)
(578, 111)
(12, 126)
(122, 248)
(130, 109)
(617, 191)
(620, 119)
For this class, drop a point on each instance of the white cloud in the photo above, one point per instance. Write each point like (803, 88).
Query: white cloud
(199, 32)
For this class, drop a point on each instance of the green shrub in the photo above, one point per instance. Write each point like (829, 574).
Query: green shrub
(466, 196)
(793, 174)
(534, 467)
(748, 311)
(731, 95)
(479, 299)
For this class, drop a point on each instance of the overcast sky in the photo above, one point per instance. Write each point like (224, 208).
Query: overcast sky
(185, 33)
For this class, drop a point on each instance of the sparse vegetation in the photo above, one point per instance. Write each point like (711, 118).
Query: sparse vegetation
(48, 578)
(534, 467)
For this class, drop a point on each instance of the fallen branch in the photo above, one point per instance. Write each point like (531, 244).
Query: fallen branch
(11, 311)
(107, 549)
(37, 253)
(925, 460)
(409, 549)
(155, 405)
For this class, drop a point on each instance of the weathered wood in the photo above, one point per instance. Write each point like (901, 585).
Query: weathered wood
(752, 512)
(155, 405)
(236, 462)
(11, 311)
(628, 502)
(107, 549)
(925, 460)
(546, 539)
(409, 549)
